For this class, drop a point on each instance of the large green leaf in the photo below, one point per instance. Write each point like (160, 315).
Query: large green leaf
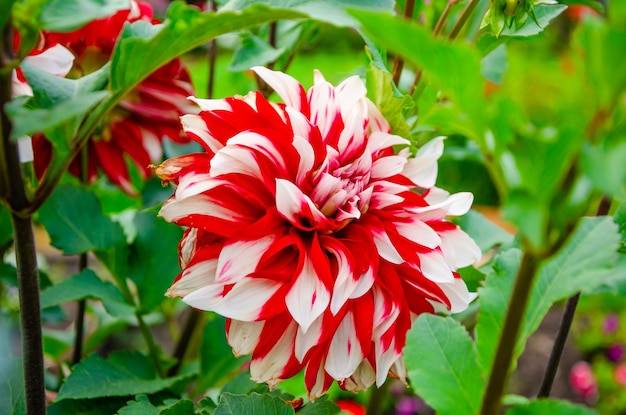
(254, 403)
(140, 51)
(99, 406)
(552, 407)
(11, 385)
(58, 105)
(154, 258)
(452, 67)
(579, 266)
(323, 10)
(74, 220)
(440, 358)
(67, 15)
(124, 373)
(86, 284)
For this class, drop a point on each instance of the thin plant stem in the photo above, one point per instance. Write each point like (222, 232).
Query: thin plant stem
(444, 16)
(212, 56)
(15, 197)
(500, 370)
(398, 62)
(463, 19)
(566, 324)
(153, 348)
(183, 342)
(377, 398)
(80, 317)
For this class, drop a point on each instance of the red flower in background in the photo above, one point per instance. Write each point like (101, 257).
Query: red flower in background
(316, 241)
(137, 126)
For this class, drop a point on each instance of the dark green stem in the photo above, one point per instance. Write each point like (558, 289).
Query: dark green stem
(565, 326)
(80, 318)
(398, 62)
(500, 370)
(461, 22)
(184, 341)
(377, 399)
(14, 195)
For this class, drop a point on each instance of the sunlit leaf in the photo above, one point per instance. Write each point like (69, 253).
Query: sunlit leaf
(124, 373)
(579, 265)
(254, 403)
(441, 346)
(12, 386)
(67, 15)
(322, 10)
(86, 284)
(140, 51)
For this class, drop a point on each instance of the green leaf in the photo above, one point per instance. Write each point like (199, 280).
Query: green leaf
(182, 407)
(140, 406)
(545, 13)
(321, 406)
(453, 67)
(100, 406)
(185, 28)
(485, 233)
(384, 94)
(74, 220)
(495, 64)
(64, 114)
(13, 400)
(6, 229)
(154, 258)
(578, 266)
(86, 284)
(124, 373)
(254, 403)
(604, 165)
(243, 385)
(323, 10)
(549, 406)
(216, 358)
(440, 357)
(252, 52)
(68, 15)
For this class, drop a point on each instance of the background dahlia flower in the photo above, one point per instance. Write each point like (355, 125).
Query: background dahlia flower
(138, 124)
(317, 242)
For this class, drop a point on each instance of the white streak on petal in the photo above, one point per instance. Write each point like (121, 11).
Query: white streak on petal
(193, 278)
(419, 232)
(344, 352)
(459, 249)
(270, 367)
(243, 336)
(290, 200)
(308, 297)
(57, 60)
(457, 294)
(435, 268)
(244, 302)
(384, 360)
(195, 124)
(362, 378)
(385, 247)
(240, 258)
(211, 104)
(387, 166)
(306, 340)
(285, 86)
(363, 284)
(422, 169)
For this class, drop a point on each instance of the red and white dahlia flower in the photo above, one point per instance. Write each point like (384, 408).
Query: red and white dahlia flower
(316, 241)
(144, 117)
